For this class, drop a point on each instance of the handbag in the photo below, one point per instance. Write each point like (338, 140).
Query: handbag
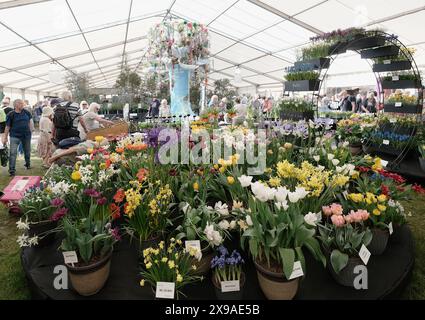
(4, 156)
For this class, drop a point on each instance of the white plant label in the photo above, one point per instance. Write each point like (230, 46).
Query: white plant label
(384, 163)
(70, 257)
(193, 244)
(396, 78)
(364, 254)
(391, 228)
(398, 104)
(20, 185)
(387, 61)
(165, 290)
(230, 286)
(297, 272)
(392, 120)
(386, 142)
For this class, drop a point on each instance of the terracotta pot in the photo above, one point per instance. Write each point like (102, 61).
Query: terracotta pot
(346, 276)
(204, 266)
(89, 280)
(274, 285)
(236, 295)
(379, 241)
(40, 228)
(355, 149)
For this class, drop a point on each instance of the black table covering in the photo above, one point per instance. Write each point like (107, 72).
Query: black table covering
(387, 276)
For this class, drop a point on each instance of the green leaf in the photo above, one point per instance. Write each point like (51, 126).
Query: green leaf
(338, 260)
(288, 259)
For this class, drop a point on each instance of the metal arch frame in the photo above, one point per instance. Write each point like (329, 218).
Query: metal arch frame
(394, 40)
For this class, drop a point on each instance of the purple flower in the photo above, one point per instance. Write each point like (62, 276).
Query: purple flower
(223, 251)
(57, 202)
(92, 193)
(102, 201)
(59, 214)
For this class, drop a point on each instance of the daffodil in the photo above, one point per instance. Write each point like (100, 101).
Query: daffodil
(230, 180)
(142, 282)
(148, 265)
(171, 264)
(179, 278)
(76, 176)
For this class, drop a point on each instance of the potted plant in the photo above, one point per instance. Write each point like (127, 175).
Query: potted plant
(351, 130)
(171, 264)
(92, 240)
(202, 224)
(228, 277)
(276, 234)
(41, 212)
(296, 109)
(342, 236)
(397, 62)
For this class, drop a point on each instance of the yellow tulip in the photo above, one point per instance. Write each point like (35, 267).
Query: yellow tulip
(76, 176)
(376, 212)
(381, 207)
(99, 139)
(230, 180)
(196, 186)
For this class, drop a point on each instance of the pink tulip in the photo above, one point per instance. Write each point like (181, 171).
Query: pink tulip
(338, 221)
(336, 209)
(327, 211)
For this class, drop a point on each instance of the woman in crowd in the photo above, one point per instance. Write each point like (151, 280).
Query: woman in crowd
(213, 102)
(93, 120)
(84, 107)
(369, 104)
(164, 109)
(241, 110)
(45, 144)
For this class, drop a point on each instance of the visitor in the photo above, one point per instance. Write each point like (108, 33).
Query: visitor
(324, 104)
(67, 117)
(154, 107)
(84, 107)
(256, 104)
(45, 144)
(369, 105)
(164, 109)
(19, 126)
(267, 105)
(92, 120)
(6, 105)
(241, 111)
(213, 102)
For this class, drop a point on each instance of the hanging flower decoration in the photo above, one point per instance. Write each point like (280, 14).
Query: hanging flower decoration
(178, 42)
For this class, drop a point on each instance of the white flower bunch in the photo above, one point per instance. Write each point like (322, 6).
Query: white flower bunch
(312, 218)
(61, 188)
(222, 208)
(213, 236)
(25, 241)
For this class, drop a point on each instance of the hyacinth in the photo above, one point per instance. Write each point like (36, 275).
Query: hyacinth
(220, 262)
(92, 193)
(57, 202)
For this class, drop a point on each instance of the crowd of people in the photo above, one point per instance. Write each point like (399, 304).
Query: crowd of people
(62, 123)
(351, 101)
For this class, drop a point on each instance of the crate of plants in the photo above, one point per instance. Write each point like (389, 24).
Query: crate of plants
(313, 57)
(385, 51)
(296, 109)
(388, 142)
(353, 130)
(402, 102)
(399, 124)
(364, 41)
(302, 81)
(401, 81)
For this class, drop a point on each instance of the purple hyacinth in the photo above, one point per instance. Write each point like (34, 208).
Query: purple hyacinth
(59, 214)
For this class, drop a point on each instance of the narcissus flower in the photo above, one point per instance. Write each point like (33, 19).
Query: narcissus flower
(196, 186)
(142, 282)
(76, 176)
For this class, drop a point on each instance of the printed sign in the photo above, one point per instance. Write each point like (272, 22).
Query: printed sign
(165, 290)
(230, 286)
(70, 257)
(364, 254)
(20, 185)
(387, 61)
(297, 272)
(396, 78)
(398, 104)
(386, 142)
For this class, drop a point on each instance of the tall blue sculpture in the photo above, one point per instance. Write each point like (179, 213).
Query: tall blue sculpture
(180, 91)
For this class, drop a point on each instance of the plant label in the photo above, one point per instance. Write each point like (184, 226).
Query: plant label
(230, 286)
(396, 78)
(193, 244)
(387, 61)
(391, 228)
(364, 254)
(165, 290)
(70, 257)
(393, 120)
(386, 142)
(384, 163)
(297, 272)
(20, 185)
(398, 104)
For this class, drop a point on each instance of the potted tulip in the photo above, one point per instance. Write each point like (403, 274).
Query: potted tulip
(228, 277)
(172, 264)
(41, 213)
(342, 236)
(203, 224)
(276, 234)
(92, 241)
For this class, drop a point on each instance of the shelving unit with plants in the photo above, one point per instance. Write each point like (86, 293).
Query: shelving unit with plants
(296, 109)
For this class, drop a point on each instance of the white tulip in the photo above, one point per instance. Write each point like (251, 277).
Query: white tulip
(224, 225)
(245, 181)
(335, 162)
(331, 156)
(316, 158)
(281, 194)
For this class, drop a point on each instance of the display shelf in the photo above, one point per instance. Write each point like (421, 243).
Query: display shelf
(400, 108)
(387, 274)
(294, 115)
(392, 66)
(302, 85)
(401, 84)
(314, 64)
(366, 43)
(385, 51)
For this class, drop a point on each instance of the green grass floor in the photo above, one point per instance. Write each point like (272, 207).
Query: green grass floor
(13, 284)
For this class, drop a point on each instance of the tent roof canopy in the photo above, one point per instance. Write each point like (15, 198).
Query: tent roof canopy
(259, 37)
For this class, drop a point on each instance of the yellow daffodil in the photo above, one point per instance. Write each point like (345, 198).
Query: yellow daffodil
(381, 207)
(171, 264)
(165, 260)
(196, 186)
(179, 278)
(76, 176)
(179, 242)
(142, 282)
(274, 182)
(149, 265)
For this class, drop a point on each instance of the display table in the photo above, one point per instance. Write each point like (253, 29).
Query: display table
(388, 275)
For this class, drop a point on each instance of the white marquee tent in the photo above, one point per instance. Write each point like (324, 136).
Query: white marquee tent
(39, 38)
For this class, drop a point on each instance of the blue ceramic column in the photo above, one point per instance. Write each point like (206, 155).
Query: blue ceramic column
(180, 91)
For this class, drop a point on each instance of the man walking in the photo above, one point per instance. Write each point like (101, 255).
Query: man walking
(19, 126)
